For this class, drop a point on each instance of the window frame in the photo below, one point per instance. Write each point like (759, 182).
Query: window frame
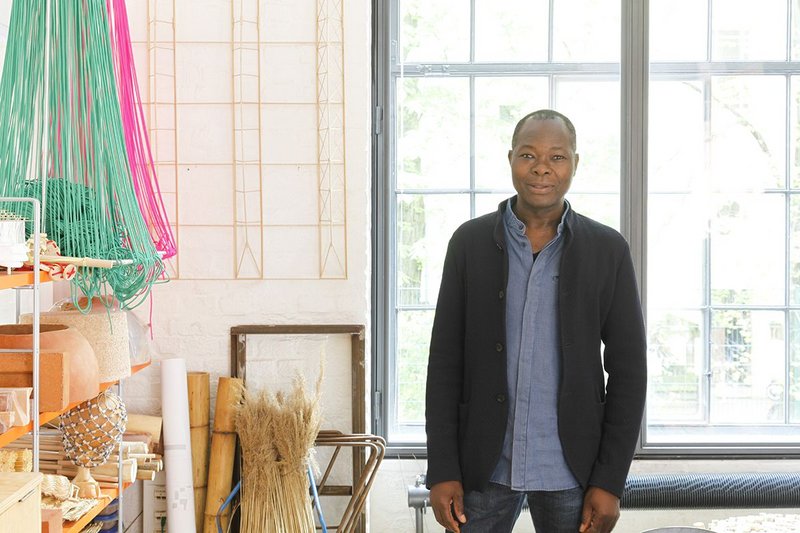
(635, 72)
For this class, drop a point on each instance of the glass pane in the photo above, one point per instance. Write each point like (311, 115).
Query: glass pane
(677, 233)
(675, 368)
(685, 18)
(434, 31)
(413, 340)
(748, 249)
(794, 250)
(499, 104)
(748, 132)
(433, 133)
(748, 367)
(586, 30)
(603, 208)
(487, 203)
(424, 226)
(748, 30)
(794, 369)
(676, 137)
(794, 129)
(795, 31)
(594, 109)
(504, 34)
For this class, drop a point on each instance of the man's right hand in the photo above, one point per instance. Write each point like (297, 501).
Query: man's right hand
(447, 500)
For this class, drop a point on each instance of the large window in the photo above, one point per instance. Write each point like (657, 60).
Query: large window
(719, 251)
(723, 268)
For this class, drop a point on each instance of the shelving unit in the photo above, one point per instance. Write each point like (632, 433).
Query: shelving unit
(15, 280)
(108, 495)
(47, 416)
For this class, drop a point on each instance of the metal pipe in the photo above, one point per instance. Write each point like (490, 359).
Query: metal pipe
(744, 490)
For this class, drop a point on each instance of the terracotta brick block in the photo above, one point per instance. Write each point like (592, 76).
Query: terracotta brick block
(16, 370)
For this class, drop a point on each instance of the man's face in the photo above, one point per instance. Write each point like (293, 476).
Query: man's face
(542, 165)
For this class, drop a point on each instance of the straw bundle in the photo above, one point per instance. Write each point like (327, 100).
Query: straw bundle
(277, 435)
(16, 460)
(8, 460)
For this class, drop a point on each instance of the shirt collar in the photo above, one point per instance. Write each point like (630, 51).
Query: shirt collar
(517, 227)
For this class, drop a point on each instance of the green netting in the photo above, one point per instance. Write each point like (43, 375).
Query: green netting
(76, 142)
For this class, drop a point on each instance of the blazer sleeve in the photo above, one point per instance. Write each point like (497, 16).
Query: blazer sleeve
(445, 371)
(625, 361)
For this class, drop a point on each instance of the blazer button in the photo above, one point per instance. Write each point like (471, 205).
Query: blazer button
(502, 294)
(498, 347)
(500, 398)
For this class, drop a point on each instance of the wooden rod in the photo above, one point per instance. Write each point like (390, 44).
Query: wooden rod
(198, 386)
(230, 393)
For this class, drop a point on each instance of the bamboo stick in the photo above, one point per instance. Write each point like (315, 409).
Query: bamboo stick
(223, 445)
(198, 385)
(78, 261)
(155, 465)
(146, 475)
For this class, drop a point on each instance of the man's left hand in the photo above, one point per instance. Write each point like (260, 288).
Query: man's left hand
(600, 511)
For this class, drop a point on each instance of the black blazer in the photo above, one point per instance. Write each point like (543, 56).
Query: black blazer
(465, 404)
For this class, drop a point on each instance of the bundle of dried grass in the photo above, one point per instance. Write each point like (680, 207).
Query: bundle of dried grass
(8, 460)
(277, 434)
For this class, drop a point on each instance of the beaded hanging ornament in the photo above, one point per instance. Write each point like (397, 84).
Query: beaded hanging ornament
(63, 143)
(89, 433)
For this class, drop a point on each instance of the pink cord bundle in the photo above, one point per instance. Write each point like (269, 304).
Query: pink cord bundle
(137, 141)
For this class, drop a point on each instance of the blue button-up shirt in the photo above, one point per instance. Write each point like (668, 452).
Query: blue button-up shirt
(532, 458)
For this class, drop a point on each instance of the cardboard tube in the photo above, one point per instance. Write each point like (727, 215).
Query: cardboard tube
(230, 393)
(198, 384)
(177, 447)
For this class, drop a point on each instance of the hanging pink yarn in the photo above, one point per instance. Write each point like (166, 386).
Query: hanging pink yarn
(137, 140)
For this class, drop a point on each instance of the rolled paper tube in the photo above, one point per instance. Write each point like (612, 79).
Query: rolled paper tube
(198, 384)
(177, 446)
(230, 392)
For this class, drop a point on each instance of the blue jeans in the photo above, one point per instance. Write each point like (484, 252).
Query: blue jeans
(496, 510)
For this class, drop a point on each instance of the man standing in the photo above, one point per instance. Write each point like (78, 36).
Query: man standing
(518, 404)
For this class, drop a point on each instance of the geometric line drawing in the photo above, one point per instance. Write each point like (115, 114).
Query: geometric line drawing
(331, 169)
(163, 113)
(247, 157)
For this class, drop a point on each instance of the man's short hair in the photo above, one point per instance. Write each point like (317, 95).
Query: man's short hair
(546, 114)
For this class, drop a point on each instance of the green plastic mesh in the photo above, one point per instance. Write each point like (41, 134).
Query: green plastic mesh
(61, 121)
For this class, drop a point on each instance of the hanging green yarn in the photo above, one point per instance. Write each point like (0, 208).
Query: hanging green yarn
(89, 207)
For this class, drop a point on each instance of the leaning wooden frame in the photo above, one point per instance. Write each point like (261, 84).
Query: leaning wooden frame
(363, 469)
